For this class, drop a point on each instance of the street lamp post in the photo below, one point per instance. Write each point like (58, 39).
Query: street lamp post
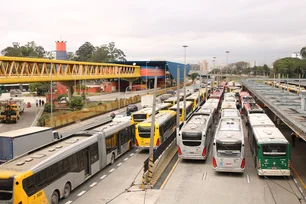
(227, 52)
(147, 75)
(165, 77)
(214, 65)
(51, 95)
(184, 80)
(119, 88)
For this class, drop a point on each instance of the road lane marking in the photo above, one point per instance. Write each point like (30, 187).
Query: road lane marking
(113, 169)
(296, 173)
(102, 177)
(68, 202)
(125, 159)
(80, 194)
(204, 176)
(93, 184)
(248, 178)
(119, 164)
(131, 154)
(136, 150)
(1, 125)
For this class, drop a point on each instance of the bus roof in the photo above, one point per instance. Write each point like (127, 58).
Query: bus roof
(230, 113)
(163, 105)
(23, 131)
(229, 129)
(160, 118)
(174, 98)
(205, 111)
(269, 135)
(212, 100)
(196, 123)
(259, 119)
(114, 126)
(181, 105)
(43, 157)
(228, 105)
(147, 110)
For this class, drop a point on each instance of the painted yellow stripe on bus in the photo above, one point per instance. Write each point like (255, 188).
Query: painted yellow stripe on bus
(170, 173)
(296, 173)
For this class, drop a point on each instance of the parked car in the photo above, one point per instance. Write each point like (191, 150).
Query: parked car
(130, 109)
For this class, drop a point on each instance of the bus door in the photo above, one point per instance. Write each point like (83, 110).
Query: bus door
(86, 158)
(118, 143)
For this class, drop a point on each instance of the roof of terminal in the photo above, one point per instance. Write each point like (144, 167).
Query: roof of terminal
(284, 104)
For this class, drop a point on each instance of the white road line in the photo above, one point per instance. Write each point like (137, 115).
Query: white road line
(131, 154)
(295, 181)
(80, 194)
(102, 177)
(68, 202)
(93, 184)
(204, 176)
(113, 169)
(119, 164)
(136, 150)
(1, 125)
(301, 189)
(125, 159)
(248, 178)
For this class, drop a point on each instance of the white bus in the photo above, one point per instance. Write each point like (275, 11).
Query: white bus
(195, 136)
(230, 113)
(51, 172)
(228, 146)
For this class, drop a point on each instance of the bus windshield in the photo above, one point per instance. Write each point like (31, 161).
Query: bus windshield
(139, 117)
(192, 136)
(144, 131)
(6, 185)
(274, 149)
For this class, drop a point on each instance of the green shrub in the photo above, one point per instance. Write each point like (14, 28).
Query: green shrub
(76, 103)
(47, 108)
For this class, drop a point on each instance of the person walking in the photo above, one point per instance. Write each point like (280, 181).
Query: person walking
(39, 102)
(42, 102)
(36, 103)
(293, 136)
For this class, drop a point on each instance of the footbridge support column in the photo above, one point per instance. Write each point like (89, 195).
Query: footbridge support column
(69, 85)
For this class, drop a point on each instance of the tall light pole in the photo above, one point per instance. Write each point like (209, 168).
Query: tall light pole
(214, 65)
(227, 52)
(165, 77)
(51, 95)
(184, 79)
(119, 88)
(147, 75)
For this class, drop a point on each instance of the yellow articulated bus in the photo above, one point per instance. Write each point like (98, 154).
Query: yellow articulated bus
(163, 106)
(188, 112)
(173, 100)
(165, 126)
(142, 115)
(195, 99)
(49, 173)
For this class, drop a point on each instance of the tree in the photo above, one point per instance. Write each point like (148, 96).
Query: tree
(100, 55)
(300, 68)
(85, 52)
(76, 103)
(303, 52)
(114, 53)
(286, 66)
(194, 76)
(28, 50)
(40, 87)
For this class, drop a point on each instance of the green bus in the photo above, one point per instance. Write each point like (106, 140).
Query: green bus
(270, 149)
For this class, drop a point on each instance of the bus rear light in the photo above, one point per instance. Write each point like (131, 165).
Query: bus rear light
(214, 162)
(157, 142)
(137, 143)
(243, 163)
(179, 150)
(204, 152)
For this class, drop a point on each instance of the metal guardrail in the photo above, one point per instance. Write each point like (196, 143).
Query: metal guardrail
(159, 151)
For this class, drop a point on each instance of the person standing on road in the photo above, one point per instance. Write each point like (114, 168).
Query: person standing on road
(36, 103)
(293, 136)
(39, 102)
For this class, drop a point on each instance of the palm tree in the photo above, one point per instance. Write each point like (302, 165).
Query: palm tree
(303, 52)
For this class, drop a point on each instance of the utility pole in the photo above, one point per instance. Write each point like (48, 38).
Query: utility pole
(184, 80)
(152, 129)
(178, 102)
(227, 61)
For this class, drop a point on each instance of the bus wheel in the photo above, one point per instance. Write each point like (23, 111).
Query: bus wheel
(112, 158)
(67, 190)
(54, 197)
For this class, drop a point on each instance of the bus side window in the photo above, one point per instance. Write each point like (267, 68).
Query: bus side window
(94, 155)
(29, 185)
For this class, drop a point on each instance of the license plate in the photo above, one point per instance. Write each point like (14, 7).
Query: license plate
(191, 152)
(274, 167)
(228, 164)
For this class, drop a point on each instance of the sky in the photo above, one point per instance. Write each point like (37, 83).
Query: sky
(251, 30)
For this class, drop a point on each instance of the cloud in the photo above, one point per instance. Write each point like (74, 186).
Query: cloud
(251, 29)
